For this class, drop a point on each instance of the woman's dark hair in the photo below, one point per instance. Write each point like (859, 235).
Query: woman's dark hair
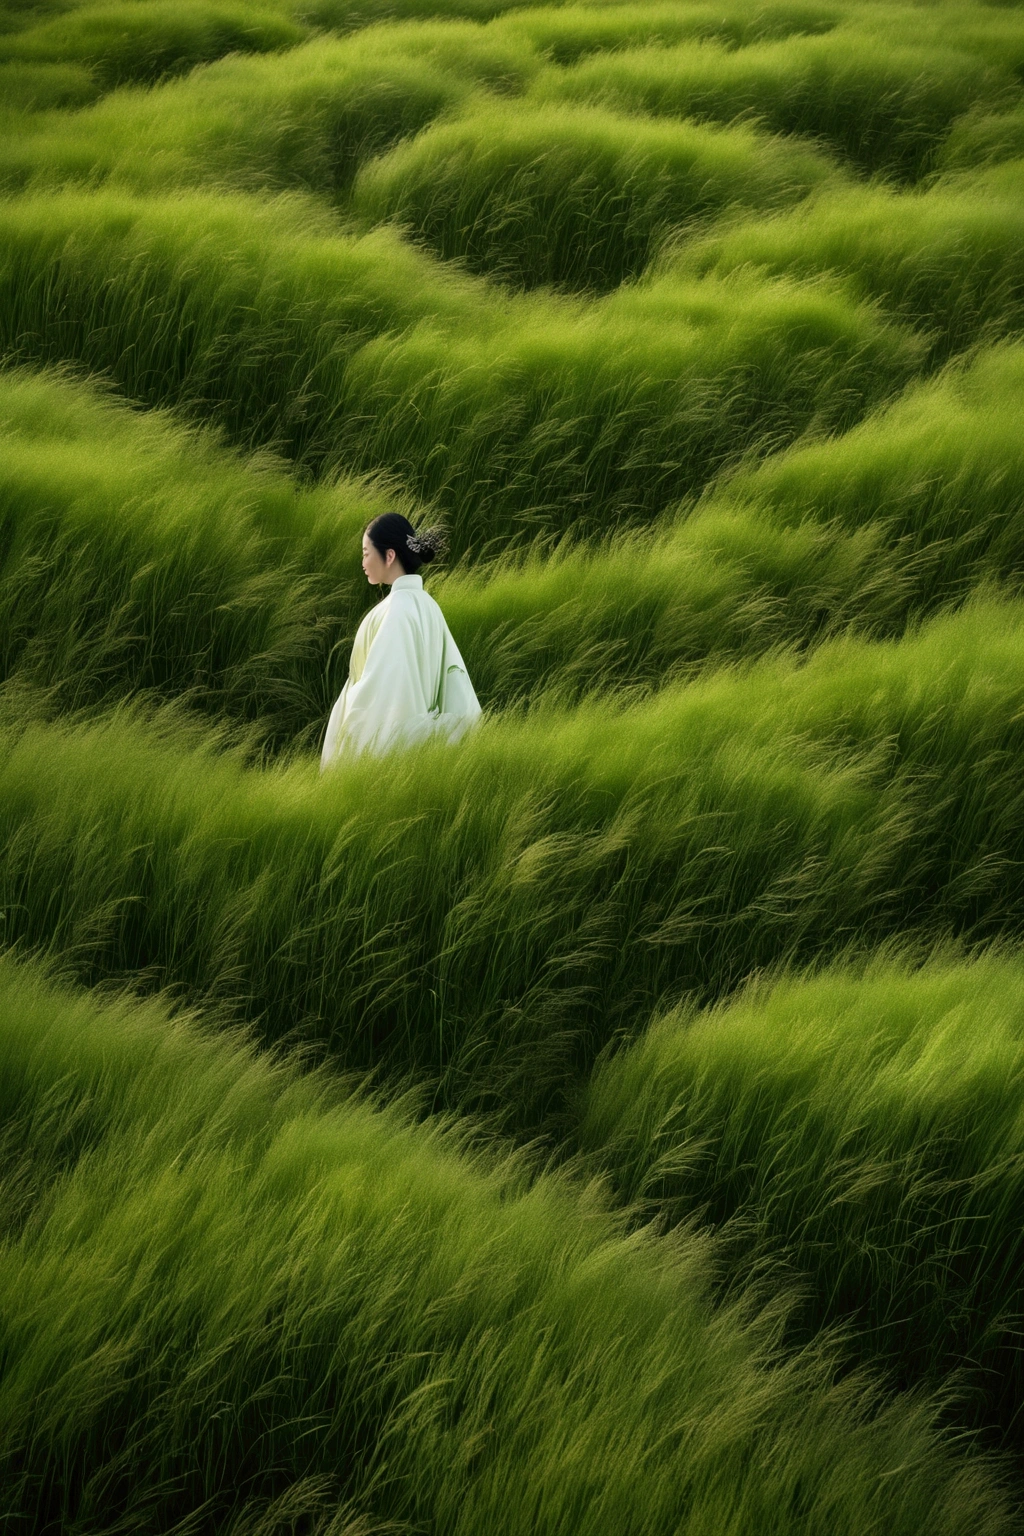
(393, 531)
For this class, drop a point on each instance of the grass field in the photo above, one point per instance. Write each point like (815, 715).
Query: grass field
(610, 1124)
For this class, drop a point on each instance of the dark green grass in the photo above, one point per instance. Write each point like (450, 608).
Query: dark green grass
(886, 109)
(537, 889)
(147, 39)
(576, 197)
(138, 556)
(232, 1300)
(947, 260)
(908, 511)
(304, 119)
(518, 416)
(865, 1127)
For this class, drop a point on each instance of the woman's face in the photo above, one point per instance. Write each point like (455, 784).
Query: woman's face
(378, 570)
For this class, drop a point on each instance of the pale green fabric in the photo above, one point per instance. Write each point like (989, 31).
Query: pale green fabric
(407, 680)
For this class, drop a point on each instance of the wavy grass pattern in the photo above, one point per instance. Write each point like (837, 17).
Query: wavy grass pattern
(700, 327)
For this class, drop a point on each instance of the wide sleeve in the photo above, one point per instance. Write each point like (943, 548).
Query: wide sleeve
(459, 705)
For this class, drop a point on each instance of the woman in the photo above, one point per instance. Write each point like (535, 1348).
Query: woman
(406, 679)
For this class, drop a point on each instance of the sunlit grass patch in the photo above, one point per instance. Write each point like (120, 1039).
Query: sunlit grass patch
(304, 119)
(390, 1327)
(884, 107)
(577, 197)
(552, 878)
(864, 1126)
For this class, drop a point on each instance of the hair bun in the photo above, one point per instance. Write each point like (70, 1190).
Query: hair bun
(429, 543)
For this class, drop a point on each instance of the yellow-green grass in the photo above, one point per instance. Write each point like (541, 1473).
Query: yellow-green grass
(884, 107)
(579, 197)
(947, 260)
(302, 119)
(862, 1127)
(234, 1299)
(520, 417)
(488, 916)
(909, 510)
(566, 33)
(146, 39)
(136, 555)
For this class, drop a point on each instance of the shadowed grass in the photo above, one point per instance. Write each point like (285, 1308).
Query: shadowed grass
(909, 510)
(549, 880)
(388, 1328)
(885, 108)
(518, 416)
(947, 260)
(865, 1127)
(146, 39)
(577, 197)
(303, 119)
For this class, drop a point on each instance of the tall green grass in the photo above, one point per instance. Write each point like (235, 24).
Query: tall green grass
(909, 510)
(303, 119)
(146, 39)
(885, 108)
(528, 895)
(863, 1126)
(519, 417)
(564, 34)
(947, 260)
(578, 197)
(138, 556)
(233, 1300)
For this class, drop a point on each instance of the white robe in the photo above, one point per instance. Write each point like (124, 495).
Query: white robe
(406, 681)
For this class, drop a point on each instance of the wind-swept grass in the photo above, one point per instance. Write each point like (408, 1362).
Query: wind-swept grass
(948, 260)
(305, 119)
(146, 39)
(909, 510)
(388, 1329)
(138, 556)
(564, 34)
(577, 197)
(518, 416)
(865, 1127)
(542, 886)
(885, 108)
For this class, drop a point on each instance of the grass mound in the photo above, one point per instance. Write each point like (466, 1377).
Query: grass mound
(947, 260)
(864, 1126)
(578, 198)
(545, 885)
(389, 1330)
(305, 119)
(884, 108)
(147, 39)
(909, 510)
(518, 417)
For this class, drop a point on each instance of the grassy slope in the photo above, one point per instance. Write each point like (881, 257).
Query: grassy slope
(383, 1325)
(577, 866)
(863, 1125)
(536, 894)
(518, 416)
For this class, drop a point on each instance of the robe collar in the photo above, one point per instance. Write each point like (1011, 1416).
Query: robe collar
(414, 583)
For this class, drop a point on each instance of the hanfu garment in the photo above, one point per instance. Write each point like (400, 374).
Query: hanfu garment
(406, 680)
